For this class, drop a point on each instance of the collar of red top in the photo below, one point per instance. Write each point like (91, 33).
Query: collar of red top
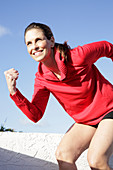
(49, 75)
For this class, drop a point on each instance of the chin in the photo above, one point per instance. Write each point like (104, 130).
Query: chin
(40, 60)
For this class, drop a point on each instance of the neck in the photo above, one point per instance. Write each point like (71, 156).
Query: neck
(51, 64)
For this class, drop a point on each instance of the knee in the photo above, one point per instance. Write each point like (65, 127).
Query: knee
(97, 162)
(94, 163)
(62, 155)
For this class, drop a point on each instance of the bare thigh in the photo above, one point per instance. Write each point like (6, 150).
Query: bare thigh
(74, 142)
(101, 146)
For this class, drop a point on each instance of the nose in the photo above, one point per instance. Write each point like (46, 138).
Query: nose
(34, 46)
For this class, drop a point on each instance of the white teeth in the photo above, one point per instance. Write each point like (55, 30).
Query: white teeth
(37, 53)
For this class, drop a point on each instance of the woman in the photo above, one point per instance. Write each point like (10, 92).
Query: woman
(71, 76)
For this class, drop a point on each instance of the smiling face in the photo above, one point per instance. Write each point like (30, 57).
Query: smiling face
(38, 46)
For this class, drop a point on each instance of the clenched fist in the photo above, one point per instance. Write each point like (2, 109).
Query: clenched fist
(11, 76)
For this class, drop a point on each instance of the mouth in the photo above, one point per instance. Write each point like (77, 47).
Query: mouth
(38, 52)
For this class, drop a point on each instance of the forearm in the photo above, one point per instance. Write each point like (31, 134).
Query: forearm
(30, 110)
(93, 51)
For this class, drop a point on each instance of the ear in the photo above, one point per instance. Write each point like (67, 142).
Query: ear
(52, 42)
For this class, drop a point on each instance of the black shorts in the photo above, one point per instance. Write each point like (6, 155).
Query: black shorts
(108, 116)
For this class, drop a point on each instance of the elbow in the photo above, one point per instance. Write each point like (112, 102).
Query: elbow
(35, 115)
(36, 119)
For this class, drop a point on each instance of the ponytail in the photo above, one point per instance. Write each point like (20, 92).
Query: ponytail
(63, 49)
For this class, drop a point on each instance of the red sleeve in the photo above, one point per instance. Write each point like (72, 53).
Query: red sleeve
(90, 53)
(34, 110)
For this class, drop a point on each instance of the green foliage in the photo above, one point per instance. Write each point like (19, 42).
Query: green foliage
(3, 129)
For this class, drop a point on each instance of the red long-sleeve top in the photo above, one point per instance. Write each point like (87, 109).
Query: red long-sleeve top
(82, 90)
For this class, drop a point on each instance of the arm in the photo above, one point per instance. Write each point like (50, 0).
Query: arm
(34, 110)
(98, 50)
(90, 53)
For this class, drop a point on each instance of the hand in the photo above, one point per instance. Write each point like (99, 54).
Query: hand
(11, 76)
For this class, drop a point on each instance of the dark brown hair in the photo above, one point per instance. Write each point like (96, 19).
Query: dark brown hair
(62, 48)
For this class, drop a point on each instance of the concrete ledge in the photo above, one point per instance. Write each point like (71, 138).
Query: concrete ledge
(33, 151)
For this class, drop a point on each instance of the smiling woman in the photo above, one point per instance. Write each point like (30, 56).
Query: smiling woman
(38, 46)
(71, 76)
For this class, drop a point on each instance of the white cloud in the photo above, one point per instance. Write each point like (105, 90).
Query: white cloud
(4, 31)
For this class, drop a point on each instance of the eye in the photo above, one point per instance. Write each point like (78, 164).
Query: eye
(28, 43)
(37, 39)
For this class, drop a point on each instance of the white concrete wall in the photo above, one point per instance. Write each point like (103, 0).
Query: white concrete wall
(33, 151)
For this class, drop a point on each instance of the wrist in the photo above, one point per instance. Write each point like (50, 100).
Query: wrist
(13, 92)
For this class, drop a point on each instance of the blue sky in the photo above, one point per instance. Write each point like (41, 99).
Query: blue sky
(78, 21)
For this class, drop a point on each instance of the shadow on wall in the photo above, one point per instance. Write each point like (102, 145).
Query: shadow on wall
(10, 160)
(111, 161)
